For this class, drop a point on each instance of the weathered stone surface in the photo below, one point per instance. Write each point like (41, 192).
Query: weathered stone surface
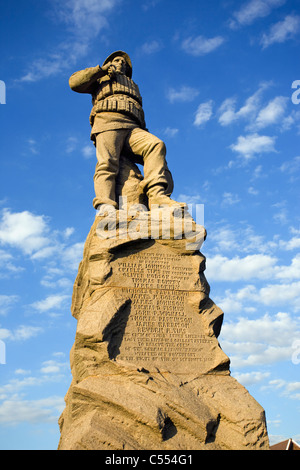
(148, 371)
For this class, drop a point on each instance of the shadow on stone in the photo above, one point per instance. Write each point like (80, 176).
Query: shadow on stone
(212, 428)
(114, 331)
(166, 426)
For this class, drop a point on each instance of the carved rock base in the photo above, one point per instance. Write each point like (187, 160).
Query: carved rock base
(148, 371)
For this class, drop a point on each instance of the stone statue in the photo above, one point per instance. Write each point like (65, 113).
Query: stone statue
(148, 372)
(118, 127)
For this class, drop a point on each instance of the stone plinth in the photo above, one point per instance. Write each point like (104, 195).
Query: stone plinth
(148, 371)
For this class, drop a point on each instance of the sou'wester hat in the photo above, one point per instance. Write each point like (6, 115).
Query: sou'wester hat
(126, 57)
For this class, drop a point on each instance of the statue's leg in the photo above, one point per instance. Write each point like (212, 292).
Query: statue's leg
(109, 145)
(153, 152)
(157, 183)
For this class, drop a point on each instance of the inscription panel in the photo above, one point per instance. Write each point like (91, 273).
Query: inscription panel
(164, 330)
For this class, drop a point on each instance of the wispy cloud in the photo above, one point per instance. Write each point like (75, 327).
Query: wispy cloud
(252, 10)
(171, 131)
(147, 4)
(227, 111)
(52, 302)
(203, 113)
(21, 333)
(150, 47)
(229, 199)
(23, 230)
(291, 167)
(264, 340)
(84, 19)
(88, 151)
(281, 31)
(257, 114)
(257, 266)
(272, 113)
(252, 144)
(6, 302)
(201, 45)
(32, 236)
(182, 94)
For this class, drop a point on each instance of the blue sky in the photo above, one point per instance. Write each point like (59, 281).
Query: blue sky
(216, 79)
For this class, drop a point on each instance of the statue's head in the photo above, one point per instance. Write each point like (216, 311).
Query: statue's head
(122, 61)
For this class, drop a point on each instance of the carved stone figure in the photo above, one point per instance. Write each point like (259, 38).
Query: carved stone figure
(148, 372)
(118, 127)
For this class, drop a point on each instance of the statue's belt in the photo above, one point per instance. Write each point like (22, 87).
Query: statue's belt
(121, 104)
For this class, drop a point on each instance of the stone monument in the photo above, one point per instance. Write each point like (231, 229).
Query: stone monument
(148, 370)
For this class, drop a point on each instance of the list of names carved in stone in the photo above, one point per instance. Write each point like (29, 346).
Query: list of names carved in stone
(161, 327)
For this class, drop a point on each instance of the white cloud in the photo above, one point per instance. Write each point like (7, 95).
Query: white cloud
(241, 239)
(14, 411)
(290, 272)
(84, 20)
(271, 295)
(33, 146)
(251, 378)
(32, 235)
(291, 244)
(253, 10)
(191, 199)
(171, 131)
(264, 340)
(230, 199)
(258, 266)
(203, 113)
(281, 215)
(282, 31)
(149, 4)
(53, 302)
(71, 144)
(253, 191)
(150, 47)
(85, 17)
(53, 367)
(252, 144)
(201, 45)
(22, 333)
(72, 255)
(51, 283)
(291, 166)
(272, 113)
(6, 302)
(183, 94)
(227, 111)
(23, 230)
(280, 294)
(287, 388)
(88, 151)
(25, 332)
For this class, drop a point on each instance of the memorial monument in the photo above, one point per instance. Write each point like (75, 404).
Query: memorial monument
(148, 370)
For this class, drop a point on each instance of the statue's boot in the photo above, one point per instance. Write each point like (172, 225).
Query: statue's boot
(157, 195)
